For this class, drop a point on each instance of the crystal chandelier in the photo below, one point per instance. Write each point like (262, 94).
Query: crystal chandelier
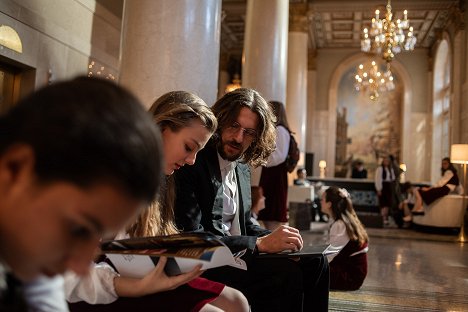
(387, 36)
(371, 78)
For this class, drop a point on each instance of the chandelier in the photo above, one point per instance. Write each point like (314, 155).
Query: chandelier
(372, 79)
(388, 37)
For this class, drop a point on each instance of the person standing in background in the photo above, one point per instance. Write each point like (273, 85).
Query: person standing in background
(396, 191)
(274, 178)
(384, 179)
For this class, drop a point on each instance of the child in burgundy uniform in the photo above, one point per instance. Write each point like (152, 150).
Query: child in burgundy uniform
(348, 268)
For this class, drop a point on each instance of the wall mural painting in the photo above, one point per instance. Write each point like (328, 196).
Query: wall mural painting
(366, 129)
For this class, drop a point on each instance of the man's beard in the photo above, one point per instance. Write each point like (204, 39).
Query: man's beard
(231, 157)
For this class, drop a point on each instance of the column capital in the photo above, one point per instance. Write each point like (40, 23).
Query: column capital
(457, 18)
(298, 19)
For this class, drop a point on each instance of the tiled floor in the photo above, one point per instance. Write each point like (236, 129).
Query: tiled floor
(408, 271)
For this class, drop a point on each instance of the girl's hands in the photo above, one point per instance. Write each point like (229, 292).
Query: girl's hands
(154, 282)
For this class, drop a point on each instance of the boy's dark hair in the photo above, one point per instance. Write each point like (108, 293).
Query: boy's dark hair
(88, 130)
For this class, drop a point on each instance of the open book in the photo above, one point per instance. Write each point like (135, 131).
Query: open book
(136, 257)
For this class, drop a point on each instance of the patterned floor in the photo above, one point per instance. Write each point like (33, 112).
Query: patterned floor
(395, 300)
(408, 271)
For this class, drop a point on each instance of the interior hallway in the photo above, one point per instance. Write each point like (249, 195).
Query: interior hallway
(408, 271)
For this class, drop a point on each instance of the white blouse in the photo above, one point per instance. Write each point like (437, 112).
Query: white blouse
(448, 174)
(282, 147)
(338, 237)
(95, 288)
(390, 176)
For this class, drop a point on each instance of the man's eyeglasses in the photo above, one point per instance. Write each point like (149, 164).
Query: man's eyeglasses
(248, 132)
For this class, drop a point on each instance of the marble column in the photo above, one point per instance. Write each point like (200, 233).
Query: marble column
(296, 99)
(171, 45)
(311, 129)
(264, 62)
(264, 66)
(223, 79)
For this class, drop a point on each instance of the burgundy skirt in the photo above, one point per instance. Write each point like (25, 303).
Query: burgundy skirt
(434, 193)
(274, 181)
(386, 197)
(188, 297)
(349, 272)
(349, 275)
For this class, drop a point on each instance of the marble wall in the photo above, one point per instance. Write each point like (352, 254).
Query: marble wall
(61, 38)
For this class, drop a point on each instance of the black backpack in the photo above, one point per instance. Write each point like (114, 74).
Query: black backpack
(293, 154)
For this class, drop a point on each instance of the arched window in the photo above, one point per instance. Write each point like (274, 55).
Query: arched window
(441, 108)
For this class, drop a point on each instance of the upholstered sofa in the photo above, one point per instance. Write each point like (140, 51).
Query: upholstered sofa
(444, 212)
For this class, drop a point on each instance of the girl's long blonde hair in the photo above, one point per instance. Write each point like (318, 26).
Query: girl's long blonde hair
(174, 110)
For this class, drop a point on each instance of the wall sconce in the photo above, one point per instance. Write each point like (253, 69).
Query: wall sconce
(322, 166)
(402, 174)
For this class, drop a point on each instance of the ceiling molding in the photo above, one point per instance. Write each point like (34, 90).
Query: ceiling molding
(335, 24)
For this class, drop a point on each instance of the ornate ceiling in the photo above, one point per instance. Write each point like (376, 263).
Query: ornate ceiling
(339, 23)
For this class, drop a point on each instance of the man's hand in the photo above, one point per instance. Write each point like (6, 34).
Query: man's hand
(282, 238)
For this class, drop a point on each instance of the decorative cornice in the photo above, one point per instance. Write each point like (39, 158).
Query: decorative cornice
(457, 17)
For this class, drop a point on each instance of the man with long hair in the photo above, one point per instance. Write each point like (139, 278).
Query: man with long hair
(214, 195)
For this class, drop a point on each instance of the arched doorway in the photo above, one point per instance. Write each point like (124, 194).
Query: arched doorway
(375, 128)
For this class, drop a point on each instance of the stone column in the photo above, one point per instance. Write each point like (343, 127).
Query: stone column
(264, 62)
(171, 45)
(311, 129)
(296, 99)
(223, 78)
(264, 65)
